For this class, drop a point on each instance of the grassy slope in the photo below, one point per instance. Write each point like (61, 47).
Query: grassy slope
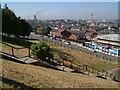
(18, 43)
(79, 57)
(84, 58)
(39, 77)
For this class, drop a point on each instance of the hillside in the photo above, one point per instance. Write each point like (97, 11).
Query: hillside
(76, 56)
(41, 77)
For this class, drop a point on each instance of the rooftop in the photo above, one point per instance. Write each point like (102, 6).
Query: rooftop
(115, 37)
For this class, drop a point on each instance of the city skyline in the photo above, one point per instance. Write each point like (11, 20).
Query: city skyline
(65, 10)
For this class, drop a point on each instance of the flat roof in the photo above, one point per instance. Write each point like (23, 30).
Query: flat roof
(114, 37)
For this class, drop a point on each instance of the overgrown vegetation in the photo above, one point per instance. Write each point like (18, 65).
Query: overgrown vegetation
(16, 42)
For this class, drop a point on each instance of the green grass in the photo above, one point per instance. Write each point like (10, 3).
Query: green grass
(13, 45)
(18, 43)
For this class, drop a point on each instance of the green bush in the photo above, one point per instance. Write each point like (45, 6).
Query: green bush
(42, 51)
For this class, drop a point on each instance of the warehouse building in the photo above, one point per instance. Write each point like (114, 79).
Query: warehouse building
(112, 40)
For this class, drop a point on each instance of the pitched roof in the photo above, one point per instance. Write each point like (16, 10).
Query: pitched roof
(76, 32)
(88, 33)
(54, 30)
(60, 30)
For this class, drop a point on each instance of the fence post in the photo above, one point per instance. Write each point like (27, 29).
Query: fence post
(63, 62)
(114, 77)
(71, 64)
(97, 73)
(91, 69)
(86, 67)
(29, 52)
(12, 51)
(110, 75)
(106, 75)
(102, 73)
(79, 68)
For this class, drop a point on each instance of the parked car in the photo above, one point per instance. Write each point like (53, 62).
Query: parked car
(67, 42)
(45, 36)
(51, 37)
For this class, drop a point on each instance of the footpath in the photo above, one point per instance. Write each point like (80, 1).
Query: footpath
(28, 60)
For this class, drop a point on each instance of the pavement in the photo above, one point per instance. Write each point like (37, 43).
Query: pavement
(64, 68)
(116, 72)
(28, 60)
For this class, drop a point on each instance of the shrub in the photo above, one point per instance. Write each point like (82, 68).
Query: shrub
(42, 51)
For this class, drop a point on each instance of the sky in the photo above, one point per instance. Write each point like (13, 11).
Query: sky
(65, 10)
(59, 0)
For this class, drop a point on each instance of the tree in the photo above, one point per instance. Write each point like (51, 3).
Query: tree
(13, 25)
(25, 27)
(41, 51)
(8, 18)
(46, 30)
(39, 28)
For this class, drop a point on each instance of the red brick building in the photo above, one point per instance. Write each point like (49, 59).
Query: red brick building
(77, 36)
(60, 33)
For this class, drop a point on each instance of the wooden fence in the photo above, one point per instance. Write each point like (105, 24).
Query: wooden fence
(82, 68)
(23, 52)
(108, 58)
(16, 52)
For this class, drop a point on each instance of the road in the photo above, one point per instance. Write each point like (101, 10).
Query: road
(97, 54)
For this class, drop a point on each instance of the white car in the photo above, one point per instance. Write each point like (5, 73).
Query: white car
(67, 42)
(51, 37)
(44, 36)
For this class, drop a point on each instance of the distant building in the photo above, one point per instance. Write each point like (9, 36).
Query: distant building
(35, 18)
(109, 39)
(75, 28)
(61, 33)
(77, 36)
(90, 35)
